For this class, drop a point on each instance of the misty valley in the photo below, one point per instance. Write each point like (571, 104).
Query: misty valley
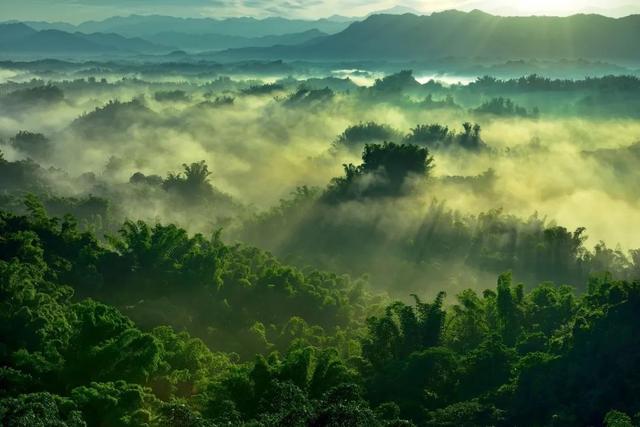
(269, 229)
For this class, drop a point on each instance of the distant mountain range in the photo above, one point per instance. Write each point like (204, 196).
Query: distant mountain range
(149, 25)
(152, 34)
(208, 42)
(395, 10)
(468, 35)
(384, 37)
(22, 39)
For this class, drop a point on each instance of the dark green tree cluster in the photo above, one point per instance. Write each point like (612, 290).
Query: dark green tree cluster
(399, 83)
(20, 100)
(436, 136)
(264, 89)
(384, 171)
(22, 175)
(192, 184)
(101, 205)
(35, 145)
(608, 96)
(507, 357)
(432, 136)
(505, 107)
(432, 104)
(501, 357)
(172, 96)
(114, 119)
(357, 136)
(235, 298)
(67, 363)
(305, 97)
(536, 82)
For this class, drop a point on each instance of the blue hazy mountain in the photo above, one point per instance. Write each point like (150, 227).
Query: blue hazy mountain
(469, 35)
(149, 25)
(22, 39)
(208, 42)
(385, 37)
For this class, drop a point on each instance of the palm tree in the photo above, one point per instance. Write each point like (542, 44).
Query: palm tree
(194, 181)
(197, 174)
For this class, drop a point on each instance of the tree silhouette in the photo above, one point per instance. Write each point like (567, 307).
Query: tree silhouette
(192, 183)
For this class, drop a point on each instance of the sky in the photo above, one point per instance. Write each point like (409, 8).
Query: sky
(76, 11)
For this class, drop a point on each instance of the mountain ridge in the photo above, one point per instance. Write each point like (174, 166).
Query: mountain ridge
(470, 34)
(211, 41)
(147, 25)
(21, 38)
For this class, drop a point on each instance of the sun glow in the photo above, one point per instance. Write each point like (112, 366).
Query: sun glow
(547, 7)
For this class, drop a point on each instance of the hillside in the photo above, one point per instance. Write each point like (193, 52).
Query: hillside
(143, 26)
(205, 42)
(475, 34)
(20, 38)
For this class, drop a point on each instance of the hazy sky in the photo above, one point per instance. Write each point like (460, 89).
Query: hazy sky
(80, 10)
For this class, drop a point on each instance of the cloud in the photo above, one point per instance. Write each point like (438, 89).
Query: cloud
(79, 10)
(135, 3)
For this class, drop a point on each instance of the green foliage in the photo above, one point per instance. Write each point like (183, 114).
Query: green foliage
(504, 107)
(358, 225)
(436, 136)
(191, 186)
(264, 89)
(466, 414)
(357, 136)
(178, 414)
(430, 135)
(431, 104)
(617, 419)
(113, 119)
(384, 171)
(116, 404)
(171, 96)
(154, 326)
(35, 145)
(193, 183)
(304, 97)
(507, 356)
(39, 410)
(233, 297)
(398, 83)
(42, 95)
(108, 340)
(22, 175)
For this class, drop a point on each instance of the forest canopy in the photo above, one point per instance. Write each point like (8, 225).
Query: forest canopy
(86, 341)
(187, 242)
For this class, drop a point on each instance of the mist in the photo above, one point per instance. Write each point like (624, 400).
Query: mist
(394, 220)
(260, 140)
